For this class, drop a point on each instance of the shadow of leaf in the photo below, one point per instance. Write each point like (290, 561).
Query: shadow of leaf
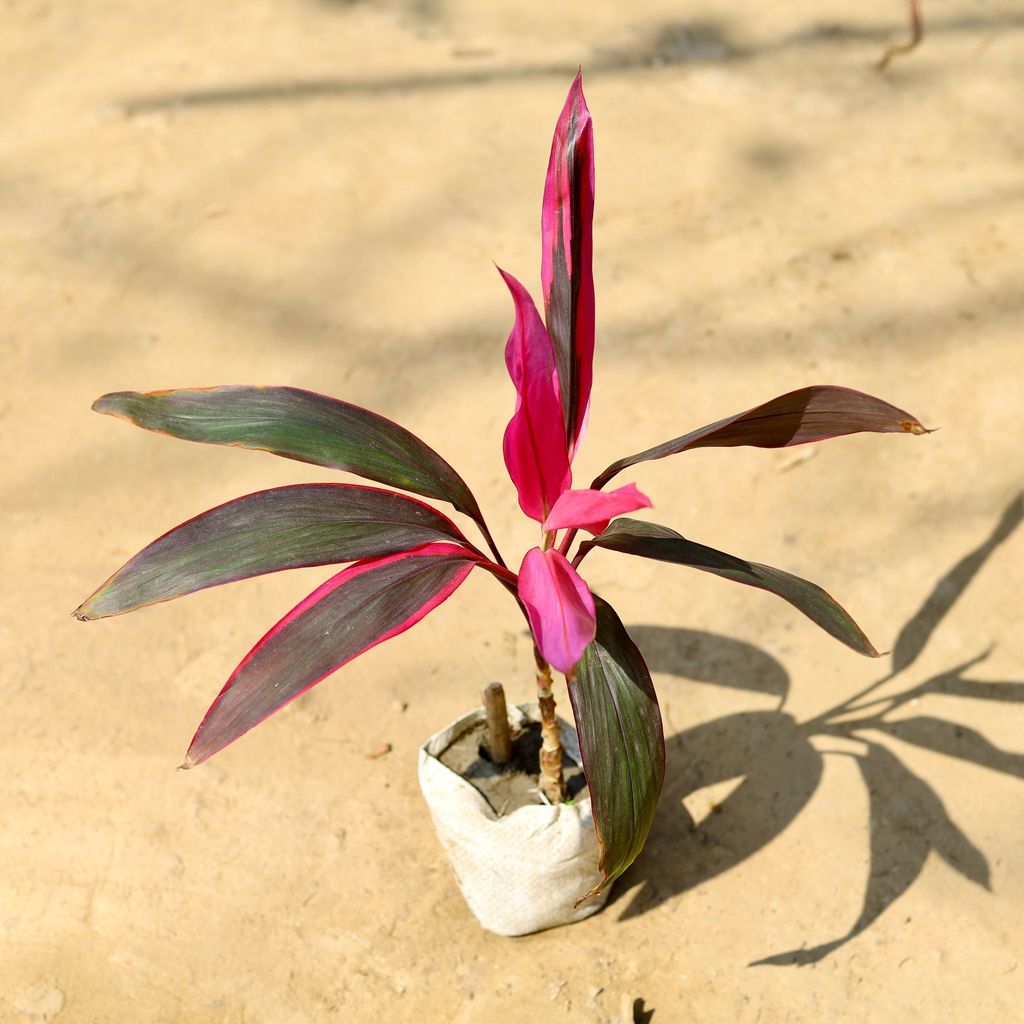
(954, 685)
(908, 820)
(955, 741)
(918, 630)
(780, 772)
(708, 658)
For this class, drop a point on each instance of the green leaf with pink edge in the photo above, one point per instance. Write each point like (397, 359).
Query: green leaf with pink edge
(621, 740)
(282, 528)
(360, 607)
(301, 425)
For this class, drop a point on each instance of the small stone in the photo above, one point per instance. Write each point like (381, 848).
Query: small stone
(42, 1001)
(557, 990)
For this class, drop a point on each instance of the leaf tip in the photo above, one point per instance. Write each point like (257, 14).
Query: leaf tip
(107, 404)
(596, 891)
(915, 428)
(187, 764)
(81, 614)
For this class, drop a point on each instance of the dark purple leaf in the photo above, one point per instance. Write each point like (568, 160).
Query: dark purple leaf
(282, 528)
(810, 414)
(362, 606)
(648, 540)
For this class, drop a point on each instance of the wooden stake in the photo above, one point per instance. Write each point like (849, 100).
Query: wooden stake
(499, 742)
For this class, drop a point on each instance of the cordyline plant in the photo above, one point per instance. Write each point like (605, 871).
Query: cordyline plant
(408, 557)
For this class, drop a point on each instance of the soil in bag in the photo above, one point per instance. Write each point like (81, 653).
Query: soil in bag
(507, 786)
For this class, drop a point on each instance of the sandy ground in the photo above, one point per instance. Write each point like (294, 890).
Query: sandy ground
(312, 193)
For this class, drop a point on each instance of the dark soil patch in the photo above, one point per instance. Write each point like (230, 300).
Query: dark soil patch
(507, 786)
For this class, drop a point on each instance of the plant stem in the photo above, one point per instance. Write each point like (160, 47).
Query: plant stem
(552, 785)
(566, 541)
(490, 542)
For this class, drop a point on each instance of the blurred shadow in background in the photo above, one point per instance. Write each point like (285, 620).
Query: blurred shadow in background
(670, 43)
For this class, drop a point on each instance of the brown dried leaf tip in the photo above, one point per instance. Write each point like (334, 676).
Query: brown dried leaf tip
(913, 427)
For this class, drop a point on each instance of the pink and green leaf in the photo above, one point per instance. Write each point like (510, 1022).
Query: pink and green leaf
(282, 528)
(559, 606)
(301, 425)
(592, 510)
(800, 417)
(621, 739)
(534, 442)
(648, 540)
(360, 607)
(567, 276)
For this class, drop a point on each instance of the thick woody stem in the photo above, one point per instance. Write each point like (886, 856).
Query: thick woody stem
(552, 784)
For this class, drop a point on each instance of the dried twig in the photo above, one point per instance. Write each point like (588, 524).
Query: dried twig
(916, 35)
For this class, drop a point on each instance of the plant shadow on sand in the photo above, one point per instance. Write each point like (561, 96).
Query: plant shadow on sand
(780, 768)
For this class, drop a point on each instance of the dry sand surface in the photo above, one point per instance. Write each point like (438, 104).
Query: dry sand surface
(312, 193)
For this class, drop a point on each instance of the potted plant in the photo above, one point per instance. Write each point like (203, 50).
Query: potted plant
(407, 557)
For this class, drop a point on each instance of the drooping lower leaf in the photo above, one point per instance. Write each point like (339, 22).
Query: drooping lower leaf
(282, 528)
(809, 414)
(559, 606)
(621, 740)
(362, 606)
(301, 425)
(648, 540)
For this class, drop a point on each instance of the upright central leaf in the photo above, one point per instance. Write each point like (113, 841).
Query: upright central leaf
(534, 444)
(567, 275)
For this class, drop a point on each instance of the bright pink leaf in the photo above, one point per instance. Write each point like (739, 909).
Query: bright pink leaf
(534, 445)
(567, 276)
(593, 510)
(559, 605)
